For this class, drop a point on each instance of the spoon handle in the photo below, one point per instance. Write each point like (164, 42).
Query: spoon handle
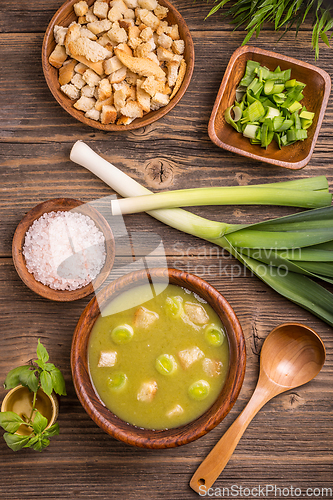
(217, 459)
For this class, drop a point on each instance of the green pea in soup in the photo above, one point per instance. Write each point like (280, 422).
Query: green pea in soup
(160, 364)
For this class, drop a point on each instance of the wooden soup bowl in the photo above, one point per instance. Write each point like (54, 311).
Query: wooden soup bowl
(64, 16)
(61, 204)
(146, 438)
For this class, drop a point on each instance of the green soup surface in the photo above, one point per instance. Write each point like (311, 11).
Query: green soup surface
(158, 362)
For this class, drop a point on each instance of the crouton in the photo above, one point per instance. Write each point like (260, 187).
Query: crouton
(159, 100)
(81, 8)
(174, 412)
(189, 356)
(164, 55)
(88, 91)
(66, 72)
(107, 358)
(173, 31)
(80, 68)
(165, 41)
(151, 86)
(99, 26)
(143, 97)
(117, 34)
(147, 391)
(172, 72)
(196, 313)
(180, 78)
(160, 11)
(132, 109)
(131, 78)
(90, 16)
(104, 89)
(146, 34)
(93, 51)
(126, 23)
(178, 46)
(131, 4)
(143, 49)
(148, 18)
(148, 4)
(91, 78)
(129, 14)
(153, 57)
(88, 34)
(143, 318)
(70, 90)
(125, 120)
(141, 66)
(58, 56)
(59, 33)
(100, 9)
(112, 64)
(119, 75)
(126, 48)
(108, 102)
(212, 367)
(108, 115)
(133, 32)
(84, 103)
(93, 114)
(78, 81)
(119, 98)
(115, 14)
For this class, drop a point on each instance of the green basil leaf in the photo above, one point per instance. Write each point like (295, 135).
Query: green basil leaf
(33, 440)
(36, 444)
(46, 382)
(58, 382)
(13, 377)
(39, 422)
(49, 367)
(29, 379)
(15, 441)
(42, 352)
(10, 421)
(52, 431)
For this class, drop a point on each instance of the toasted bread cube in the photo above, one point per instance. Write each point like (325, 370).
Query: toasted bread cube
(172, 72)
(180, 78)
(129, 15)
(81, 20)
(165, 41)
(151, 86)
(118, 76)
(108, 114)
(148, 4)
(146, 34)
(66, 72)
(174, 32)
(58, 56)
(112, 64)
(120, 4)
(88, 34)
(59, 33)
(126, 23)
(78, 81)
(88, 91)
(164, 55)
(93, 114)
(104, 89)
(84, 103)
(159, 100)
(212, 367)
(117, 34)
(131, 4)
(100, 9)
(189, 356)
(115, 14)
(126, 48)
(93, 51)
(174, 412)
(108, 102)
(81, 8)
(131, 78)
(143, 318)
(178, 46)
(70, 90)
(162, 28)
(124, 120)
(148, 18)
(107, 358)
(80, 68)
(91, 78)
(161, 12)
(153, 57)
(147, 391)
(143, 50)
(99, 27)
(196, 313)
(133, 32)
(119, 98)
(142, 96)
(90, 16)
(132, 109)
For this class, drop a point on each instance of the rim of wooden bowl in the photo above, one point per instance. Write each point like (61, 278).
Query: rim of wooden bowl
(131, 434)
(64, 16)
(61, 204)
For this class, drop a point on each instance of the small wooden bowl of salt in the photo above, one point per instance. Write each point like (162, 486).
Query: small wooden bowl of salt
(63, 249)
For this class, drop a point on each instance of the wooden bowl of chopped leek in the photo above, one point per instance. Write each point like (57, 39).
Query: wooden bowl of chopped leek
(63, 249)
(270, 107)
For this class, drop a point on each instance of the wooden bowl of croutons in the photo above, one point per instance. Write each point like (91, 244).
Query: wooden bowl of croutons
(158, 358)
(117, 65)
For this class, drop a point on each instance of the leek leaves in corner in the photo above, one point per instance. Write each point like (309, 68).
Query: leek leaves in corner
(286, 252)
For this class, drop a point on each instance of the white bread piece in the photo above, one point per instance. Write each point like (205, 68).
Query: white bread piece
(107, 358)
(119, 98)
(142, 96)
(119, 75)
(122, 86)
(89, 49)
(129, 15)
(96, 67)
(175, 411)
(196, 313)
(153, 57)
(70, 90)
(80, 68)
(125, 120)
(90, 16)
(117, 34)
(58, 56)
(132, 109)
(104, 89)
(151, 86)
(162, 28)
(148, 4)
(84, 103)
(66, 72)
(108, 102)
(178, 46)
(88, 34)
(148, 18)
(100, 9)
(81, 8)
(180, 78)
(142, 66)
(93, 114)
(173, 31)
(126, 48)
(212, 367)
(112, 64)
(165, 41)
(164, 55)
(126, 23)
(131, 4)
(146, 34)
(108, 114)
(147, 391)
(189, 356)
(88, 91)
(172, 72)
(143, 318)
(159, 101)
(99, 27)
(134, 32)
(161, 12)
(78, 81)
(131, 78)
(91, 78)
(59, 33)
(143, 49)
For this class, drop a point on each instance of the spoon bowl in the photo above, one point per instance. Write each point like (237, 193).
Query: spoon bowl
(292, 355)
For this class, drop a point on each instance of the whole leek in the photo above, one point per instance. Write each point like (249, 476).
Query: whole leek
(312, 234)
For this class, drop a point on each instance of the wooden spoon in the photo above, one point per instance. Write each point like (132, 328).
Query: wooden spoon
(291, 355)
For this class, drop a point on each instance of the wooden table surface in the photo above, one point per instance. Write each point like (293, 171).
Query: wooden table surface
(289, 443)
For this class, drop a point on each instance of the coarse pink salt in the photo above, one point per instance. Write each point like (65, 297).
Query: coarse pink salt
(64, 250)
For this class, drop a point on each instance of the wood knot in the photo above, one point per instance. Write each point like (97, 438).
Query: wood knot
(292, 401)
(158, 174)
(243, 179)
